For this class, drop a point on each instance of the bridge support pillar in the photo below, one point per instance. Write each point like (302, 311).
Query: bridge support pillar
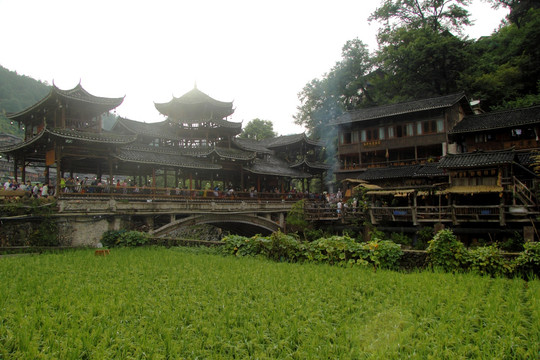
(149, 221)
(282, 220)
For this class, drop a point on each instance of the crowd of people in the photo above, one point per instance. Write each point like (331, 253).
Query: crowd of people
(36, 190)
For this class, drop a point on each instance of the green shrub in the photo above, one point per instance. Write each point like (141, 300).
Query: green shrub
(423, 236)
(336, 250)
(241, 245)
(487, 260)
(132, 238)
(110, 237)
(446, 252)
(280, 247)
(345, 251)
(381, 254)
(527, 264)
(401, 238)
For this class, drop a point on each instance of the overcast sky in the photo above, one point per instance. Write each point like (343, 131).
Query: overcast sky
(258, 54)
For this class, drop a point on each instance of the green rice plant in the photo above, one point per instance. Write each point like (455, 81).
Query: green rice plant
(158, 303)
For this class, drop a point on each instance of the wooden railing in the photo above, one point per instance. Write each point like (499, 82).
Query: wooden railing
(454, 214)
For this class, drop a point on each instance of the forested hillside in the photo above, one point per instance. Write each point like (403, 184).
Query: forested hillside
(17, 92)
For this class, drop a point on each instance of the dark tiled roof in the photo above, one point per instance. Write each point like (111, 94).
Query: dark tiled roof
(158, 156)
(274, 166)
(77, 95)
(158, 129)
(9, 148)
(235, 154)
(429, 169)
(396, 172)
(391, 172)
(310, 164)
(169, 130)
(103, 137)
(195, 99)
(399, 109)
(285, 140)
(251, 145)
(528, 158)
(476, 159)
(498, 120)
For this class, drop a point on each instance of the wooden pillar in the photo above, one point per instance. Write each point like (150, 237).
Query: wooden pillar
(15, 172)
(258, 183)
(47, 175)
(109, 161)
(59, 170)
(242, 187)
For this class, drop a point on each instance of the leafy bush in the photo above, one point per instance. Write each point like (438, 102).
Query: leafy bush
(133, 238)
(114, 238)
(336, 250)
(345, 251)
(423, 236)
(381, 254)
(446, 252)
(528, 262)
(487, 260)
(110, 237)
(280, 247)
(400, 238)
(240, 245)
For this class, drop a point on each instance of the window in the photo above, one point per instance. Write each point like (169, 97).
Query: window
(409, 130)
(363, 135)
(354, 137)
(381, 133)
(419, 128)
(440, 126)
(390, 132)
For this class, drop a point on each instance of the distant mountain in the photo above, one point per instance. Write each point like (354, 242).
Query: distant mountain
(17, 92)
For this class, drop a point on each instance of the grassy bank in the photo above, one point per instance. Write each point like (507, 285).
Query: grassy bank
(159, 303)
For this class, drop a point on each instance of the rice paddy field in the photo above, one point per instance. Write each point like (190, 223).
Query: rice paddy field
(157, 303)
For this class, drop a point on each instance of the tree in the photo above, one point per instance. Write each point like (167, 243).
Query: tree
(437, 15)
(419, 63)
(345, 87)
(506, 72)
(258, 129)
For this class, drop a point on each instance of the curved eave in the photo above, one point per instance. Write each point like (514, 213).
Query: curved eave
(105, 138)
(311, 165)
(77, 94)
(11, 148)
(296, 139)
(251, 145)
(275, 167)
(195, 100)
(234, 154)
(158, 158)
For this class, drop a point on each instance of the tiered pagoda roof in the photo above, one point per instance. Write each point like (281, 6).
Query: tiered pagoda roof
(195, 106)
(77, 98)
